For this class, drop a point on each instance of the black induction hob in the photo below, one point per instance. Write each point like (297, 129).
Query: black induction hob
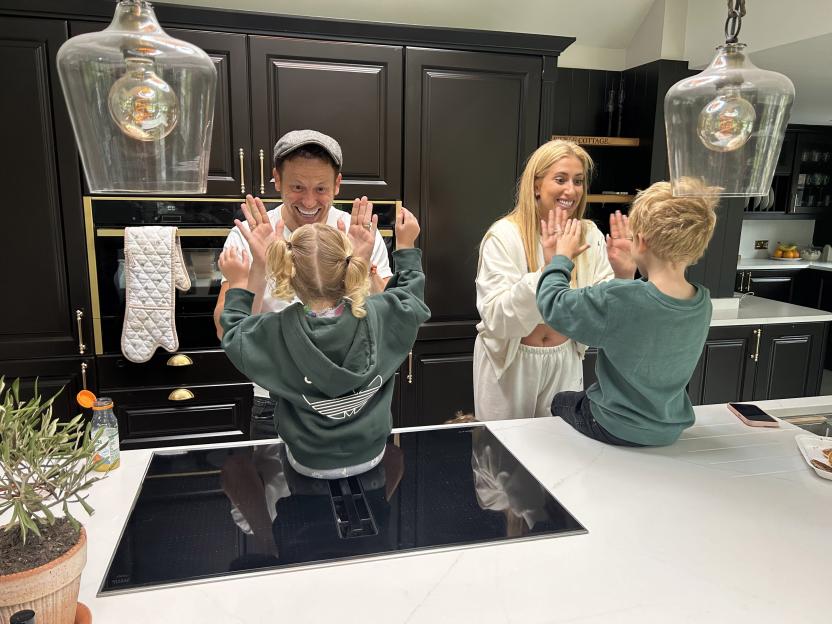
(208, 513)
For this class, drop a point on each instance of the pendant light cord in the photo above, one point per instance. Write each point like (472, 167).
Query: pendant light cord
(733, 24)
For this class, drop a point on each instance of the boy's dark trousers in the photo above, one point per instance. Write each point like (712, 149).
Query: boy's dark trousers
(574, 408)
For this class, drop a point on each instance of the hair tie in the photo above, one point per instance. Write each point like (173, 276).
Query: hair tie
(348, 258)
(289, 245)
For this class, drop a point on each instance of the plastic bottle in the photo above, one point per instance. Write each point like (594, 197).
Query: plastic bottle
(107, 444)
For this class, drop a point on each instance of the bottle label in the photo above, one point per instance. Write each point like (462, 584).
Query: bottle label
(108, 447)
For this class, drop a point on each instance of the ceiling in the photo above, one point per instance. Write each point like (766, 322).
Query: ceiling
(798, 45)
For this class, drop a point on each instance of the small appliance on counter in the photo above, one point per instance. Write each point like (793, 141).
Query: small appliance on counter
(826, 254)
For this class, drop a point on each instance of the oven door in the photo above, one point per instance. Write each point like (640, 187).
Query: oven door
(194, 312)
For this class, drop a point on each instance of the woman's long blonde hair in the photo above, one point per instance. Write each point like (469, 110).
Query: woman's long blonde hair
(317, 264)
(525, 214)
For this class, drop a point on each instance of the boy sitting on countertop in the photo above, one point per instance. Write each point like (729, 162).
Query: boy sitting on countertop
(649, 332)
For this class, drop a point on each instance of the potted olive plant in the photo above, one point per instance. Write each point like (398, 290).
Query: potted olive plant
(45, 465)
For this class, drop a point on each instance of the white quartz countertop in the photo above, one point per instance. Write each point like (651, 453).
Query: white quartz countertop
(751, 310)
(765, 263)
(727, 525)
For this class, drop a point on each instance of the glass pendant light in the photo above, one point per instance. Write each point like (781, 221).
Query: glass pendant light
(141, 104)
(726, 125)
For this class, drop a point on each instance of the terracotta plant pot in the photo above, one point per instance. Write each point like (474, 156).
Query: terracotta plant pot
(50, 590)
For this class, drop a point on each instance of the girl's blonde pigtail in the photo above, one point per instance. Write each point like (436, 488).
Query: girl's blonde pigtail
(280, 267)
(357, 285)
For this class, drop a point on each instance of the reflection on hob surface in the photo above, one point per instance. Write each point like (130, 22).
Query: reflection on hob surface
(203, 514)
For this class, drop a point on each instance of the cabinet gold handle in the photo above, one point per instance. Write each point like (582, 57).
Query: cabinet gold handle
(242, 171)
(180, 359)
(748, 283)
(410, 367)
(262, 176)
(756, 355)
(84, 375)
(82, 348)
(181, 394)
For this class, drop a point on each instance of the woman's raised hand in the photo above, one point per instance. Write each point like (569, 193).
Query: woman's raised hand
(407, 229)
(258, 232)
(550, 230)
(619, 246)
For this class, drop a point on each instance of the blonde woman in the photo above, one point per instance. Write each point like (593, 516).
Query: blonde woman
(519, 362)
(329, 359)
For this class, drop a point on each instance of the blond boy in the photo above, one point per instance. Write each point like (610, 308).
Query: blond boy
(649, 332)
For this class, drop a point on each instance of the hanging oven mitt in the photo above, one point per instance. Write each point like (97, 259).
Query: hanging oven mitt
(153, 266)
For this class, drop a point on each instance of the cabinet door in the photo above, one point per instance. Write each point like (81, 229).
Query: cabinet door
(232, 125)
(725, 371)
(776, 287)
(42, 222)
(438, 382)
(232, 122)
(156, 417)
(456, 100)
(350, 91)
(812, 180)
(66, 375)
(590, 357)
(790, 360)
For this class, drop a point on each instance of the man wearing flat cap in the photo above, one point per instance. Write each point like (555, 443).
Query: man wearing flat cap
(307, 174)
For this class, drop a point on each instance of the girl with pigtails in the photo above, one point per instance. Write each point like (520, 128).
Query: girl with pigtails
(329, 359)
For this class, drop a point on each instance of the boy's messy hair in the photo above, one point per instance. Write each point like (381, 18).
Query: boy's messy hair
(677, 229)
(317, 264)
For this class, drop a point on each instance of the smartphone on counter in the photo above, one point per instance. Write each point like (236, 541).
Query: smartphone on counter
(752, 415)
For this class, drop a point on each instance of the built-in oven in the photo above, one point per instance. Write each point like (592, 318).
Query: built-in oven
(203, 225)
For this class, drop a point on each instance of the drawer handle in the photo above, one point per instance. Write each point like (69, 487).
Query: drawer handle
(180, 359)
(181, 394)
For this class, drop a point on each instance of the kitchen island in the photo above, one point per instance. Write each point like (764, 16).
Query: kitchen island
(727, 525)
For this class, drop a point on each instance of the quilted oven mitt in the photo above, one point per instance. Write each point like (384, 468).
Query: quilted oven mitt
(153, 266)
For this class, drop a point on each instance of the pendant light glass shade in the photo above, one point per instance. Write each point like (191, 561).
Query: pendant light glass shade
(725, 126)
(141, 104)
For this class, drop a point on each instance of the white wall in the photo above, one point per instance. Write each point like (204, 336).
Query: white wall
(797, 232)
(768, 23)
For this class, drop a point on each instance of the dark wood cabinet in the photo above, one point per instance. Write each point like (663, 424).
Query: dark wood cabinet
(232, 120)
(768, 284)
(351, 91)
(437, 382)
(743, 363)
(725, 371)
(151, 417)
(471, 120)
(790, 362)
(64, 375)
(42, 247)
(812, 174)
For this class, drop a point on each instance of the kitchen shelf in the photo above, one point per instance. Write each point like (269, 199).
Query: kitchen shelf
(599, 141)
(610, 199)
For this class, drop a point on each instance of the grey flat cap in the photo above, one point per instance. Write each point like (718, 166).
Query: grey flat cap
(291, 141)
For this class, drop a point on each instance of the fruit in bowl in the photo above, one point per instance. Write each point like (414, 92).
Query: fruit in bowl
(786, 250)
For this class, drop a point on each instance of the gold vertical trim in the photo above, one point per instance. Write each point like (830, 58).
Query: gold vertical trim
(89, 228)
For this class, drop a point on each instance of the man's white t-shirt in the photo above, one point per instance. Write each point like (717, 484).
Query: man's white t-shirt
(270, 304)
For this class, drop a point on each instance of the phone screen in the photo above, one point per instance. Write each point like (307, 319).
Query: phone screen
(752, 412)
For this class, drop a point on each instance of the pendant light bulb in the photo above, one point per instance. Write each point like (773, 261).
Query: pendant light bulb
(143, 106)
(726, 122)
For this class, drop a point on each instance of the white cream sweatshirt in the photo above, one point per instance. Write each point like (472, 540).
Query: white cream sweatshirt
(506, 290)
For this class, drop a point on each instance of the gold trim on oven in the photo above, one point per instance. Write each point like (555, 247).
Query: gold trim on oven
(97, 338)
(181, 232)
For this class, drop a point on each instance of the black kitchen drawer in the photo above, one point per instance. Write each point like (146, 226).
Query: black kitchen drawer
(115, 372)
(150, 417)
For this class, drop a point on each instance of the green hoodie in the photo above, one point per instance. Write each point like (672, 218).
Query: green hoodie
(332, 378)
